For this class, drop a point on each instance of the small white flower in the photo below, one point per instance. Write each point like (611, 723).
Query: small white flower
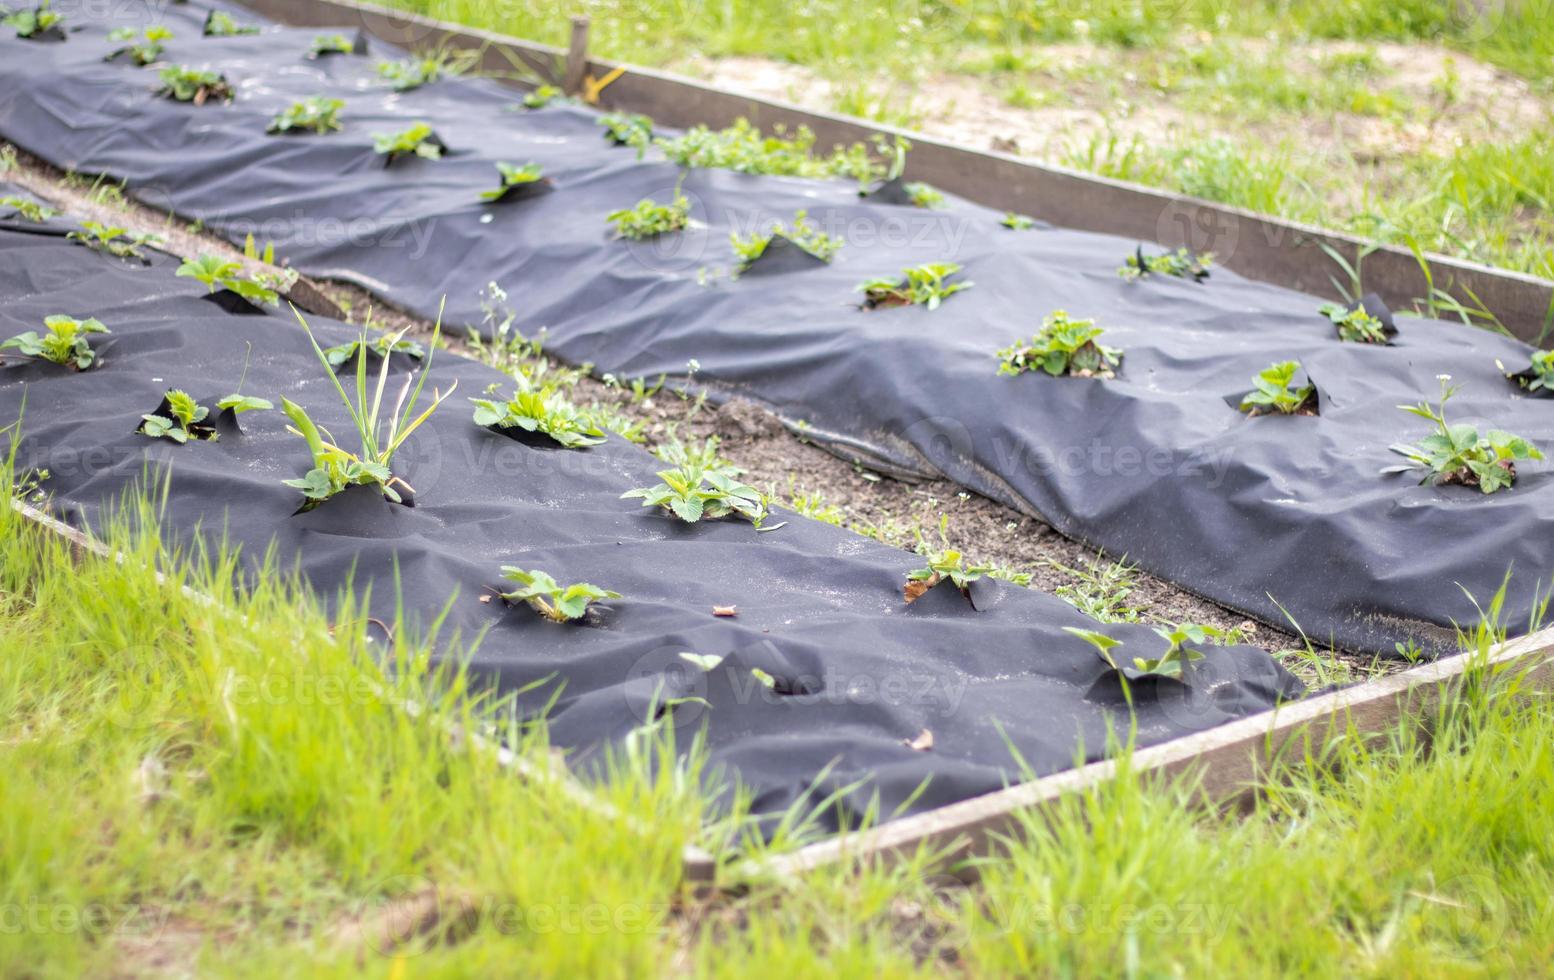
(1443, 377)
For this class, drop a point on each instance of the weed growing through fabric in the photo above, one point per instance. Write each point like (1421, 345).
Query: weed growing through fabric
(699, 485)
(1355, 326)
(218, 273)
(1274, 392)
(327, 44)
(541, 410)
(143, 48)
(803, 234)
(65, 342)
(194, 85)
(35, 22)
(513, 178)
(541, 97)
(744, 148)
(1017, 222)
(1064, 345)
(921, 285)
(379, 436)
(115, 241)
(1458, 454)
(219, 23)
(943, 566)
(557, 603)
(648, 218)
(187, 420)
(416, 140)
(1182, 263)
(628, 129)
(380, 346)
(426, 68)
(319, 115)
(29, 210)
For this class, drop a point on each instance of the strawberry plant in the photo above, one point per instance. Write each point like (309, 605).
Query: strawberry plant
(943, 566)
(1538, 377)
(221, 24)
(418, 140)
(803, 234)
(1181, 263)
(1064, 346)
(37, 23)
(1017, 222)
(1355, 325)
(327, 44)
(557, 603)
(700, 486)
(378, 436)
(649, 218)
(194, 85)
(541, 97)
(380, 346)
(144, 48)
(923, 195)
(514, 178)
(1459, 454)
(744, 148)
(1274, 392)
(628, 129)
(218, 273)
(185, 419)
(65, 343)
(426, 68)
(541, 410)
(1174, 662)
(118, 242)
(318, 114)
(922, 285)
(28, 209)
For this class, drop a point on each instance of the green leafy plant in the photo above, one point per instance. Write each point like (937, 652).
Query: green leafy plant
(328, 44)
(143, 48)
(319, 114)
(541, 97)
(1181, 263)
(221, 24)
(922, 285)
(427, 68)
(628, 129)
(1538, 377)
(923, 195)
(65, 343)
(744, 148)
(1017, 222)
(35, 22)
(28, 209)
(1064, 345)
(557, 603)
(379, 434)
(238, 403)
(1355, 326)
(218, 273)
(943, 566)
(1459, 454)
(418, 140)
(1274, 392)
(187, 420)
(382, 345)
(514, 177)
(803, 234)
(700, 486)
(543, 410)
(1173, 663)
(115, 241)
(648, 218)
(195, 85)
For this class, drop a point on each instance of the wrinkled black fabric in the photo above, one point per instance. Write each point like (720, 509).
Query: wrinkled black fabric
(1261, 515)
(855, 671)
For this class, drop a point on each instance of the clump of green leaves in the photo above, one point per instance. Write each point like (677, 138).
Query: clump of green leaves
(187, 420)
(1017, 222)
(379, 435)
(221, 24)
(648, 218)
(949, 565)
(29, 209)
(1274, 392)
(418, 140)
(65, 343)
(381, 346)
(34, 23)
(514, 177)
(923, 195)
(1181, 263)
(803, 234)
(195, 85)
(557, 603)
(1172, 663)
(426, 68)
(143, 48)
(628, 129)
(1065, 345)
(921, 285)
(699, 485)
(115, 241)
(744, 148)
(1355, 326)
(542, 410)
(327, 44)
(1538, 377)
(319, 114)
(541, 97)
(1458, 454)
(218, 273)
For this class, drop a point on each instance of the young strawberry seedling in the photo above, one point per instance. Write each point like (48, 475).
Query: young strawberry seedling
(1174, 662)
(700, 486)
(187, 420)
(318, 114)
(1274, 392)
(221, 24)
(542, 410)
(427, 68)
(1458, 454)
(380, 346)
(943, 566)
(803, 234)
(417, 141)
(37, 24)
(924, 195)
(922, 285)
(29, 210)
(1538, 377)
(325, 45)
(541, 97)
(649, 218)
(117, 242)
(628, 129)
(143, 48)
(1181, 263)
(194, 85)
(514, 179)
(64, 344)
(379, 437)
(1355, 326)
(1017, 222)
(557, 603)
(1064, 346)
(218, 273)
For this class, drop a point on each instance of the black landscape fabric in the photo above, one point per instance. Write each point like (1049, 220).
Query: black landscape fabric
(856, 673)
(1274, 517)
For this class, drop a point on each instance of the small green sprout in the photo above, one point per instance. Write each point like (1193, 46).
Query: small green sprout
(1538, 377)
(1458, 454)
(319, 114)
(542, 410)
(195, 85)
(745, 148)
(649, 218)
(1274, 392)
(187, 421)
(557, 603)
(34, 23)
(541, 97)
(949, 565)
(628, 129)
(1355, 326)
(143, 48)
(1064, 346)
(221, 24)
(513, 178)
(923, 285)
(1173, 663)
(803, 234)
(29, 210)
(1181, 263)
(923, 195)
(218, 273)
(701, 486)
(426, 68)
(328, 44)
(1017, 222)
(418, 140)
(118, 242)
(381, 346)
(64, 344)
